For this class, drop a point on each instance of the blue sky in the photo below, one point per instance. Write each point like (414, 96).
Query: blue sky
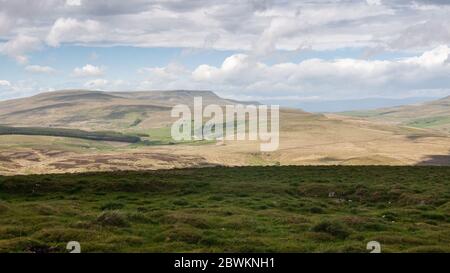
(118, 63)
(124, 62)
(278, 50)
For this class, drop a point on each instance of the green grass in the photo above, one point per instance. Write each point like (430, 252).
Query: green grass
(163, 136)
(429, 122)
(246, 209)
(432, 122)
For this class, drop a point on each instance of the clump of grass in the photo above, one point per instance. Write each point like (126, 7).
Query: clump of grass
(183, 233)
(127, 240)
(434, 216)
(112, 218)
(316, 210)
(210, 241)
(180, 202)
(7, 232)
(139, 217)
(3, 207)
(193, 220)
(348, 247)
(429, 249)
(26, 245)
(44, 209)
(335, 228)
(363, 223)
(112, 206)
(390, 216)
(216, 198)
(63, 235)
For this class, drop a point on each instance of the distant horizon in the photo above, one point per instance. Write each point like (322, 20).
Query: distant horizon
(309, 105)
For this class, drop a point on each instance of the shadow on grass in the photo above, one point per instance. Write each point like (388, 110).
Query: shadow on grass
(436, 160)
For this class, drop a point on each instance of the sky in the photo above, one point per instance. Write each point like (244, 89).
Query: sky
(270, 50)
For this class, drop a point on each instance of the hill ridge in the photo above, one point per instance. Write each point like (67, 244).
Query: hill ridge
(433, 115)
(107, 110)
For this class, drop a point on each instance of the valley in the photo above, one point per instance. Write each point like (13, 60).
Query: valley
(104, 129)
(434, 115)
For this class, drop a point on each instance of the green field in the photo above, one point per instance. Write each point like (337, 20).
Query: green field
(246, 209)
(429, 122)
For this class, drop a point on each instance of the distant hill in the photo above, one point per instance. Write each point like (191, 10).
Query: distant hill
(429, 115)
(82, 130)
(96, 110)
(332, 106)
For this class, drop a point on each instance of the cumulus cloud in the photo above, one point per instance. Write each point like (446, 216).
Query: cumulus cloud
(5, 23)
(241, 74)
(40, 69)
(262, 26)
(73, 3)
(96, 84)
(21, 88)
(374, 2)
(5, 83)
(436, 57)
(88, 71)
(72, 30)
(105, 84)
(19, 46)
(172, 76)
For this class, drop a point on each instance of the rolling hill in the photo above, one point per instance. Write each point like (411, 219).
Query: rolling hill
(433, 115)
(305, 138)
(94, 110)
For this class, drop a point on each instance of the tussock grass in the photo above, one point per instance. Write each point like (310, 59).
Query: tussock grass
(242, 209)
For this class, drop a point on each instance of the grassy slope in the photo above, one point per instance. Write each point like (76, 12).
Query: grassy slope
(100, 111)
(305, 139)
(431, 115)
(230, 209)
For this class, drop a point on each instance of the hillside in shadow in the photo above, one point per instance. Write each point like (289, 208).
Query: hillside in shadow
(436, 160)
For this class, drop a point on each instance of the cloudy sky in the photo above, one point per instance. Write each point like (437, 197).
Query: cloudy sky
(287, 50)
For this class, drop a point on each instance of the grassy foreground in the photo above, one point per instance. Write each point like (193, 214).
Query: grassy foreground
(246, 209)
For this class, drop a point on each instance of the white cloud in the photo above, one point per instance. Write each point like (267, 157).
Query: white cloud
(114, 85)
(21, 88)
(374, 2)
(239, 69)
(333, 79)
(262, 26)
(73, 3)
(5, 83)
(169, 72)
(40, 69)
(5, 23)
(72, 30)
(19, 46)
(172, 76)
(88, 71)
(435, 57)
(96, 84)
